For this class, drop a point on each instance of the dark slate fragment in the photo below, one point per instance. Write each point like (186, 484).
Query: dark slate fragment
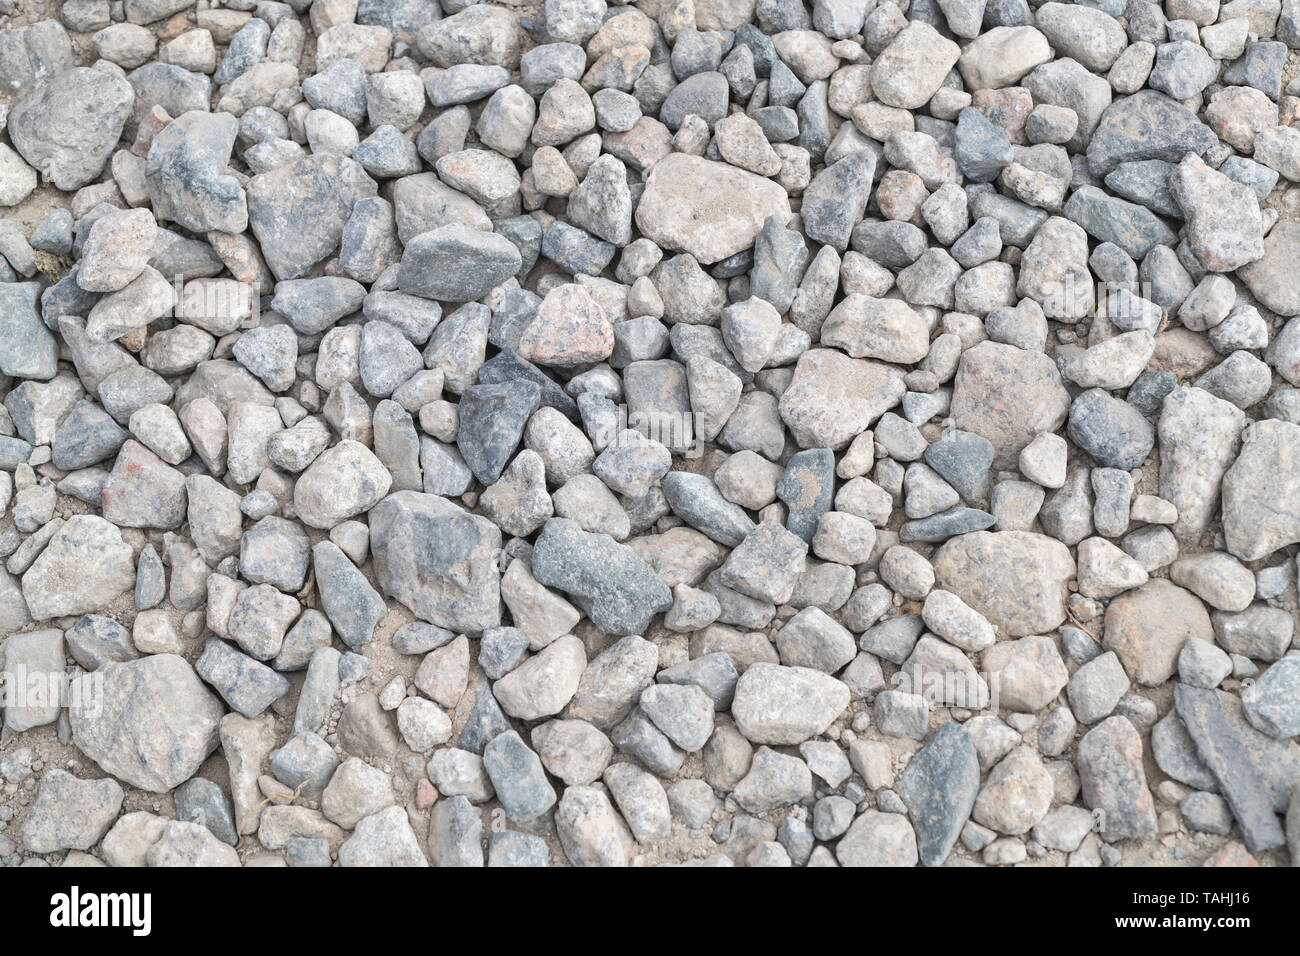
(1113, 432)
(939, 788)
(608, 580)
(983, 149)
(807, 487)
(1244, 761)
(87, 436)
(492, 420)
(697, 501)
(963, 459)
(945, 524)
(506, 366)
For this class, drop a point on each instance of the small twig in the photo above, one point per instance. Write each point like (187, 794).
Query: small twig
(291, 797)
(1079, 624)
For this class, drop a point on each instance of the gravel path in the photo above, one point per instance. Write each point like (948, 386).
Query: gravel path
(704, 432)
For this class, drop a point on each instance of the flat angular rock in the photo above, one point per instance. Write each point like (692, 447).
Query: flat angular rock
(1270, 703)
(348, 600)
(1199, 438)
(939, 787)
(1114, 782)
(1224, 228)
(833, 398)
(1148, 626)
(27, 348)
(438, 560)
(491, 424)
(835, 199)
(1146, 125)
(766, 565)
(69, 813)
(1268, 277)
(710, 210)
(274, 551)
(67, 125)
(543, 684)
(698, 501)
(245, 684)
(1009, 421)
(57, 583)
(1250, 767)
(912, 68)
(616, 589)
(383, 839)
(125, 737)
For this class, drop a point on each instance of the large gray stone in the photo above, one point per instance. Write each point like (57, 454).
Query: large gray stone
(121, 731)
(438, 560)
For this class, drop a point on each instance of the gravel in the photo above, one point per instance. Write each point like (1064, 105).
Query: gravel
(563, 434)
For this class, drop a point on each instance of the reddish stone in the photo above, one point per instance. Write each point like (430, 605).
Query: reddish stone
(426, 795)
(1234, 854)
(1007, 108)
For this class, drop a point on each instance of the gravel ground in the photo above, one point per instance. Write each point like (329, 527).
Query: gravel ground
(710, 433)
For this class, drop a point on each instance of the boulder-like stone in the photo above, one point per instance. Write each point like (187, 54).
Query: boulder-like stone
(1199, 438)
(57, 583)
(67, 126)
(710, 210)
(298, 211)
(187, 176)
(619, 592)
(120, 730)
(438, 560)
(69, 813)
(1009, 418)
(1016, 579)
(456, 263)
(833, 398)
(1147, 628)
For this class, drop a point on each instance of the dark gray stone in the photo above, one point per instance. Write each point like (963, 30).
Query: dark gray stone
(491, 424)
(939, 788)
(616, 589)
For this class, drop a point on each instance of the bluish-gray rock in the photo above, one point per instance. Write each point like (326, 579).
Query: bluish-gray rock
(807, 487)
(456, 263)
(834, 201)
(248, 686)
(201, 801)
(616, 589)
(351, 604)
(963, 459)
(1146, 125)
(1112, 431)
(982, 149)
(518, 777)
(939, 788)
(697, 501)
(491, 423)
(438, 560)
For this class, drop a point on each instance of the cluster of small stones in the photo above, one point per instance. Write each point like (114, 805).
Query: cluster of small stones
(732, 432)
